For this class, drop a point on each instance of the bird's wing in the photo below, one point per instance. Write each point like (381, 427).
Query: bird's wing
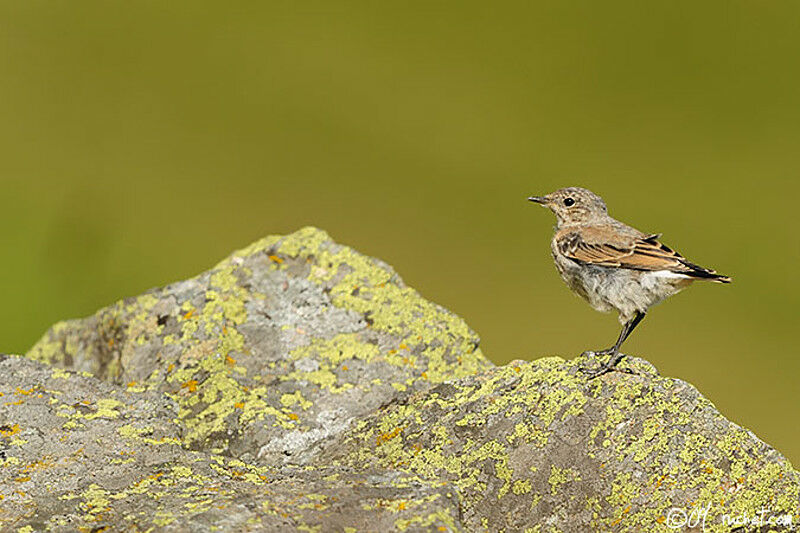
(605, 247)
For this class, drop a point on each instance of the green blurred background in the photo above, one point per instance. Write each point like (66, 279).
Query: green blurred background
(141, 142)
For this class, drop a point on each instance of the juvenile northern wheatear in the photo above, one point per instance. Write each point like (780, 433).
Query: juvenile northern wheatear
(612, 265)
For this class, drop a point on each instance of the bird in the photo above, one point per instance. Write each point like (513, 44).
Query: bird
(614, 266)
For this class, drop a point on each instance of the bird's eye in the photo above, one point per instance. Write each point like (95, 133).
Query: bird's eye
(569, 202)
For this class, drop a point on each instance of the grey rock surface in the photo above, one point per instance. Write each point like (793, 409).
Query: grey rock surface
(82, 455)
(299, 385)
(534, 444)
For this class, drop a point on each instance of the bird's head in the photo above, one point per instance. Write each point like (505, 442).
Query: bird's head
(573, 206)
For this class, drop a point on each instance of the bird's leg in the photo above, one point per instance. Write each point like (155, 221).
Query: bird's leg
(616, 356)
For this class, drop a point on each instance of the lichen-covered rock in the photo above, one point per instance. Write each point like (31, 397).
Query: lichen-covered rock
(537, 446)
(278, 347)
(299, 385)
(79, 455)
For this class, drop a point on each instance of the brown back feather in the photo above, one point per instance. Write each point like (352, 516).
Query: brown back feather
(603, 246)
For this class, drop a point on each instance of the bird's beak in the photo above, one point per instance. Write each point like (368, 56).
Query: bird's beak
(538, 199)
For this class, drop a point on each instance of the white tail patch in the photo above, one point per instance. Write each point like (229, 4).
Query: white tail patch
(668, 274)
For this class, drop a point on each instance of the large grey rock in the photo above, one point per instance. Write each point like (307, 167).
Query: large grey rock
(279, 347)
(300, 385)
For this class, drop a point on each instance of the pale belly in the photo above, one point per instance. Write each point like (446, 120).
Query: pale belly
(623, 290)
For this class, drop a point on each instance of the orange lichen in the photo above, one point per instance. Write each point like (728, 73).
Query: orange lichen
(386, 437)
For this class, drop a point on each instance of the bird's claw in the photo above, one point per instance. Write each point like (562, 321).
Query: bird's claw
(610, 366)
(592, 353)
(592, 373)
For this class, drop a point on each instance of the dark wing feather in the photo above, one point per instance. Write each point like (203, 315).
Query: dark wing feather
(602, 247)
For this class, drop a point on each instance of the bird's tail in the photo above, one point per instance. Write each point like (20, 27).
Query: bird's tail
(716, 278)
(705, 274)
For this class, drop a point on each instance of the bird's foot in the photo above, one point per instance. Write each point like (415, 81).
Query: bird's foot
(592, 373)
(592, 353)
(609, 366)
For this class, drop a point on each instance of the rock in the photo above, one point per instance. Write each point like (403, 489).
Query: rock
(301, 385)
(78, 454)
(280, 346)
(537, 444)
